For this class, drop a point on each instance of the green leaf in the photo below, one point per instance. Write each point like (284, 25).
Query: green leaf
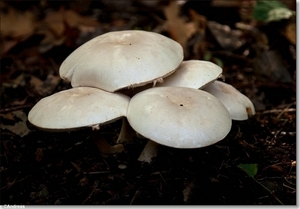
(250, 169)
(273, 10)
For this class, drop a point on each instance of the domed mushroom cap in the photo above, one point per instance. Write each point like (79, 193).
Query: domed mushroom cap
(238, 105)
(78, 107)
(179, 117)
(120, 59)
(193, 74)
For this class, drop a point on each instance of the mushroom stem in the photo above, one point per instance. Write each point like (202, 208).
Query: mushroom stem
(103, 146)
(126, 133)
(150, 151)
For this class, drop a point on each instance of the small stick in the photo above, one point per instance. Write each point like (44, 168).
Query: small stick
(90, 195)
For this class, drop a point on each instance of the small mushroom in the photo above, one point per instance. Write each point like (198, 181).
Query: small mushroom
(239, 106)
(122, 59)
(77, 108)
(193, 74)
(179, 117)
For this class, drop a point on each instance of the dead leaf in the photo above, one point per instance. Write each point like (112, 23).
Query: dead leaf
(76, 20)
(290, 33)
(19, 102)
(46, 87)
(183, 28)
(8, 116)
(16, 24)
(176, 25)
(187, 191)
(222, 3)
(19, 128)
(56, 24)
(84, 181)
(228, 38)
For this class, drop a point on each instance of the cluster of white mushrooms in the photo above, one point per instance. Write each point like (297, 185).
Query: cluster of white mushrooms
(171, 102)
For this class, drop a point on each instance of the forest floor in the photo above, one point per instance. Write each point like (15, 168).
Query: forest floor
(66, 168)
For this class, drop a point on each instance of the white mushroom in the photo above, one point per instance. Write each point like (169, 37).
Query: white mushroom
(194, 74)
(80, 107)
(239, 106)
(179, 117)
(121, 59)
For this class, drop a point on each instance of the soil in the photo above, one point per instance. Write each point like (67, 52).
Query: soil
(66, 168)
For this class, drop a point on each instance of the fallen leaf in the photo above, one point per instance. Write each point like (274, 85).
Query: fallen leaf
(16, 24)
(46, 87)
(290, 33)
(229, 39)
(176, 25)
(56, 24)
(20, 128)
(187, 191)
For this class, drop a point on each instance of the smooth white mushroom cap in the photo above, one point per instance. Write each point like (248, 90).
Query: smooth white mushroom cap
(179, 117)
(120, 59)
(193, 74)
(238, 105)
(78, 107)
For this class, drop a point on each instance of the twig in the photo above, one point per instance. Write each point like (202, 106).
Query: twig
(96, 172)
(291, 188)
(162, 177)
(136, 194)
(286, 109)
(77, 167)
(95, 185)
(9, 185)
(278, 110)
(271, 192)
(11, 109)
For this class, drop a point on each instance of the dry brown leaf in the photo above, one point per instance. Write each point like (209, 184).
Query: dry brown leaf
(199, 22)
(179, 28)
(8, 116)
(290, 33)
(222, 3)
(16, 24)
(54, 21)
(20, 128)
(46, 87)
(6, 45)
(54, 26)
(187, 191)
(76, 20)
(175, 24)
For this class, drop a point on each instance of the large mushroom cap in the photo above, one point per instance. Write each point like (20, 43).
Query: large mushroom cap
(78, 107)
(193, 74)
(120, 59)
(238, 105)
(179, 117)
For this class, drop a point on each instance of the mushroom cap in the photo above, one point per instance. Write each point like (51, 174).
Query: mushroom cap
(78, 107)
(193, 74)
(179, 117)
(121, 59)
(238, 105)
